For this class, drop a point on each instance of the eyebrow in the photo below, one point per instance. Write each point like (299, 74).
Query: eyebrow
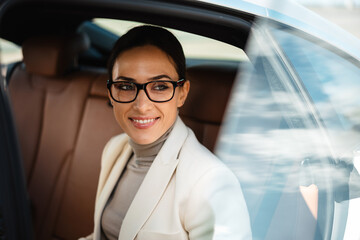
(124, 78)
(161, 77)
(158, 77)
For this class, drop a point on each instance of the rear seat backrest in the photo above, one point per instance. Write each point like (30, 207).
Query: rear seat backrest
(39, 92)
(59, 113)
(78, 199)
(203, 111)
(53, 55)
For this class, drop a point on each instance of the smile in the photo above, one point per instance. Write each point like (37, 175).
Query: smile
(143, 123)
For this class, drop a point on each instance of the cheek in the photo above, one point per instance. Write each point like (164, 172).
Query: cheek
(170, 112)
(119, 113)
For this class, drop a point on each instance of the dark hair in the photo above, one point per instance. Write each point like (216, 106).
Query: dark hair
(150, 35)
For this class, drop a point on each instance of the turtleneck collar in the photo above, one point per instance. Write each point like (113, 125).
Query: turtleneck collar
(146, 153)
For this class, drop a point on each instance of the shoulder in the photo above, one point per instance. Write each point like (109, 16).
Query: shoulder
(113, 148)
(196, 154)
(196, 162)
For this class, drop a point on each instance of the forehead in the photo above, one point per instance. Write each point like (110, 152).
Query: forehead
(146, 59)
(144, 53)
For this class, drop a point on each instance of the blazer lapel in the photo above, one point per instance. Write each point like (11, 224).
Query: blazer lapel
(154, 183)
(110, 182)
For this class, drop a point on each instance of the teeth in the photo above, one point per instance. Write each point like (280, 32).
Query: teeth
(144, 121)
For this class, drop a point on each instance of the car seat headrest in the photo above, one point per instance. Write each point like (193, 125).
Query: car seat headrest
(53, 55)
(210, 87)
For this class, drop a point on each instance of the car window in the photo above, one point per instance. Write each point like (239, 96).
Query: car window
(281, 148)
(195, 46)
(10, 53)
(332, 79)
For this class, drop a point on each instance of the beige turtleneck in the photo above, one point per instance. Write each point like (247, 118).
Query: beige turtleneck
(128, 185)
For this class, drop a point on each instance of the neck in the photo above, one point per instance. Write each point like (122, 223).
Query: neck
(151, 149)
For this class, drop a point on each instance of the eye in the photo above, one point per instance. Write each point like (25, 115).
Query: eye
(124, 86)
(160, 86)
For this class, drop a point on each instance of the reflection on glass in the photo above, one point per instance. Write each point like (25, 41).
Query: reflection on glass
(333, 83)
(289, 149)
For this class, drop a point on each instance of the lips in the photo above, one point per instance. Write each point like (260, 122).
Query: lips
(143, 123)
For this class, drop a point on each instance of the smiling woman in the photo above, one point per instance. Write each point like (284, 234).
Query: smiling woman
(144, 55)
(143, 120)
(282, 122)
(157, 181)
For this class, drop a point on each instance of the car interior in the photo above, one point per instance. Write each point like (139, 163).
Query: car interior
(60, 102)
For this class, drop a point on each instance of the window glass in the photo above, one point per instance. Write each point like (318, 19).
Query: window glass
(332, 80)
(9, 53)
(294, 177)
(333, 83)
(267, 141)
(195, 46)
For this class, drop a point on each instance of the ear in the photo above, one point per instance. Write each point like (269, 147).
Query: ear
(183, 93)
(110, 99)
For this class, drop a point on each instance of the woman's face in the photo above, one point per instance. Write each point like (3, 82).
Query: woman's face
(143, 120)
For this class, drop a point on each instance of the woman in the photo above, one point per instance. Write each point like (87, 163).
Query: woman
(157, 181)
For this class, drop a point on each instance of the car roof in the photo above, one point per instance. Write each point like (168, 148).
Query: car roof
(283, 11)
(293, 14)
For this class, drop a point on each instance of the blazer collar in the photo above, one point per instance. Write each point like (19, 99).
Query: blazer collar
(154, 183)
(109, 177)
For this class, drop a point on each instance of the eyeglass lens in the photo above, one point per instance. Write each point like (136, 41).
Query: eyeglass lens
(125, 91)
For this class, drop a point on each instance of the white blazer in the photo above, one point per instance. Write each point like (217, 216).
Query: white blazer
(187, 193)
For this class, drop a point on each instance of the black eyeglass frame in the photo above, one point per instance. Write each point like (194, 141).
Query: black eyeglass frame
(140, 86)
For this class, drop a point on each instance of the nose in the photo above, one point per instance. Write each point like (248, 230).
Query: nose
(142, 103)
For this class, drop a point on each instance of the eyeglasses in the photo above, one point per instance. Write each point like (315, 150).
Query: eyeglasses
(156, 91)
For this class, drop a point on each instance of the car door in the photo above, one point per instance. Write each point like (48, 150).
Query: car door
(292, 136)
(15, 220)
(331, 80)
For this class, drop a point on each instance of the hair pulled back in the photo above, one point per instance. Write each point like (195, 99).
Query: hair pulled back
(150, 35)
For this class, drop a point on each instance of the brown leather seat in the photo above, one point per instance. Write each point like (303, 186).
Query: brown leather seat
(64, 120)
(206, 103)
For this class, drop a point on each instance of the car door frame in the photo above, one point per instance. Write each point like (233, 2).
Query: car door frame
(15, 219)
